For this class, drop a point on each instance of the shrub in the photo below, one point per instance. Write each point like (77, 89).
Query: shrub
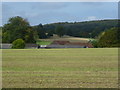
(18, 44)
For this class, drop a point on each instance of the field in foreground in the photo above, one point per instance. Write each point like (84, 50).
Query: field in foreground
(60, 68)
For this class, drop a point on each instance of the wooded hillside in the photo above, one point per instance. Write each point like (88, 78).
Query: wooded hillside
(85, 29)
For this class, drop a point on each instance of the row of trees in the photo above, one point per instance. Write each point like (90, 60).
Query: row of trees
(89, 29)
(44, 33)
(19, 28)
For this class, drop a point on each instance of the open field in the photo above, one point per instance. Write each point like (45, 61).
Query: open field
(67, 38)
(60, 68)
(43, 42)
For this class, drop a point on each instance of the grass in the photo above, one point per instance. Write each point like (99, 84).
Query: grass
(60, 68)
(43, 42)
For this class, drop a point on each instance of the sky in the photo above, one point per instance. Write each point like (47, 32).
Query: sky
(52, 12)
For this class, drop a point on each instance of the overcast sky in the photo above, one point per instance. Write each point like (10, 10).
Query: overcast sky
(50, 12)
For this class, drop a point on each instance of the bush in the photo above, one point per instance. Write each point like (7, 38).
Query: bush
(18, 44)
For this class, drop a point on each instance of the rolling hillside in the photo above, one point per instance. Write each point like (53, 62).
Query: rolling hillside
(85, 29)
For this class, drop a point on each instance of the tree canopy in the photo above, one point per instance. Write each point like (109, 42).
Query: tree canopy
(41, 31)
(110, 38)
(87, 29)
(59, 31)
(17, 27)
(18, 44)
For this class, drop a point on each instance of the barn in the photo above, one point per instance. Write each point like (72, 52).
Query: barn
(54, 44)
(9, 46)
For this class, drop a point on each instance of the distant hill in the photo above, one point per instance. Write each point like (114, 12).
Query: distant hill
(87, 29)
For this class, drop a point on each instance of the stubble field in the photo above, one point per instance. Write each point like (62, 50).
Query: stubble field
(60, 68)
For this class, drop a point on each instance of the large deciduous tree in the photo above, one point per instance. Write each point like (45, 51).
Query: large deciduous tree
(110, 38)
(17, 27)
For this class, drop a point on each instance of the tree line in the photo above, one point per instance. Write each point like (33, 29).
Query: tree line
(19, 28)
(88, 29)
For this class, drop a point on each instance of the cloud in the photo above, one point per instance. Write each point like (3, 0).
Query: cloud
(90, 18)
(48, 5)
(51, 17)
(92, 3)
(47, 12)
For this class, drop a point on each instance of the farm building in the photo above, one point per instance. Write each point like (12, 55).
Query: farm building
(6, 46)
(9, 46)
(27, 46)
(54, 44)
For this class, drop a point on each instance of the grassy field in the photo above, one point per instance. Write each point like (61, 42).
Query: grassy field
(43, 42)
(60, 68)
(67, 38)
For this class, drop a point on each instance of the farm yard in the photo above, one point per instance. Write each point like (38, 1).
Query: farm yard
(60, 68)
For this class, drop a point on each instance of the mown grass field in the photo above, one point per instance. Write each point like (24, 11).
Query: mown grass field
(43, 42)
(60, 68)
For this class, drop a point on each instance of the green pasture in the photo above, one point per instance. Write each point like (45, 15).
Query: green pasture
(60, 68)
(43, 42)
